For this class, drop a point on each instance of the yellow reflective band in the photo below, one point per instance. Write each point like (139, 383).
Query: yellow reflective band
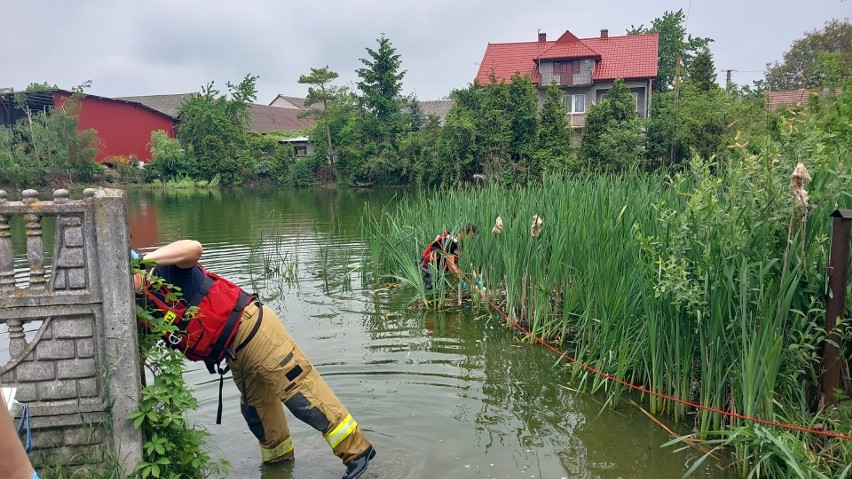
(341, 432)
(277, 451)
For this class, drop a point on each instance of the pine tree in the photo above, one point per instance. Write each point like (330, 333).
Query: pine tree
(612, 136)
(380, 86)
(554, 135)
(321, 91)
(702, 72)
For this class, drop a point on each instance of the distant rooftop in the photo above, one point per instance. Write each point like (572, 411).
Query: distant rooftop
(793, 98)
(168, 104)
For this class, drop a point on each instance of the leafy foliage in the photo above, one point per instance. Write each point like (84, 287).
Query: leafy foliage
(612, 137)
(674, 43)
(703, 72)
(46, 145)
(380, 121)
(172, 449)
(168, 159)
(554, 134)
(321, 91)
(820, 58)
(213, 130)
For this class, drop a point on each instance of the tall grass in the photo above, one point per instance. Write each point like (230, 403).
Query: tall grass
(707, 286)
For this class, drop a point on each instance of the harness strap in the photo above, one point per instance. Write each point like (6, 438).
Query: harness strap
(238, 309)
(24, 426)
(253, 329)
(223, 338)
(202, 291)
(222, 372)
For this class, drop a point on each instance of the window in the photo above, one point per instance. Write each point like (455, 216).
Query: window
(602, 94)
(575, 103)
(300, 150)
(587, 65)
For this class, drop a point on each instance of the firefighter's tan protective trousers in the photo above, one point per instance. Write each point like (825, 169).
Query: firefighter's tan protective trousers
(271, 369)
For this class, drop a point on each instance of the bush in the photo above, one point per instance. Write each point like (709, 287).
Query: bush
(302, 173)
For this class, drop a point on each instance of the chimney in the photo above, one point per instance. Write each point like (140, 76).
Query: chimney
(604, 33)
(542, 37)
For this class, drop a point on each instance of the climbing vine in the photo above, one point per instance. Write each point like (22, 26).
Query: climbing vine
(173, 448)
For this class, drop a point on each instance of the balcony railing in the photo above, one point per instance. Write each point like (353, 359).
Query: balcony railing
(548, 78)
(577, 120)
(582, 78)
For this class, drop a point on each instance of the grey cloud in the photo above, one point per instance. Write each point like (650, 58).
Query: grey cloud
(160, 46)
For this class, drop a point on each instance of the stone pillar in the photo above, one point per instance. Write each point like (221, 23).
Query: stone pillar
(118, 331)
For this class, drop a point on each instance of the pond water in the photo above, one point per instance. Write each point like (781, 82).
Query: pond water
(440, 395)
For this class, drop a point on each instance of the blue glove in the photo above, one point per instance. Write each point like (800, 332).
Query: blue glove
(478, 283)
(465, 286)
(135, 256)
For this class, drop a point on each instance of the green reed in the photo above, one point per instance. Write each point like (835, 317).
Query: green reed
(706, 286)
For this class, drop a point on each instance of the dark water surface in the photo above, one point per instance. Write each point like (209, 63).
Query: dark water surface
(440, 395)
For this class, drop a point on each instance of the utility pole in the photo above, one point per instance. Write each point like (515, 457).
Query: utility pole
(728, 83)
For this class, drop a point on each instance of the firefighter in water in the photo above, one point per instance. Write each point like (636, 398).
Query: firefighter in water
(267, 365)
(443, 253)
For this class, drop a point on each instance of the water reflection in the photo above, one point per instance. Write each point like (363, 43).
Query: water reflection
(440, 394)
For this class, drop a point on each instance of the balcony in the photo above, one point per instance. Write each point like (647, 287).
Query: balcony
(577, 120)
(582, 78)
(575, 79)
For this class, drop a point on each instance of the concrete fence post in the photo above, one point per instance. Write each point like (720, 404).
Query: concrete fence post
(119, 338)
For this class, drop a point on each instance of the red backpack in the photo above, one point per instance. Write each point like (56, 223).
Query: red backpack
(206, 335)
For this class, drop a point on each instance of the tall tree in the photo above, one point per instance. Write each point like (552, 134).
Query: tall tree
(675, 44)
(523, 113)
(380, 86)
(321, 91)
(213, 129)
(612, 136)
(554, 134)
(494, 128)
(703, 72)
(820, 58)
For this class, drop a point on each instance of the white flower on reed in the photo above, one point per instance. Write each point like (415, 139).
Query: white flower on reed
(798, 180)
(498, 226)
(537, 225)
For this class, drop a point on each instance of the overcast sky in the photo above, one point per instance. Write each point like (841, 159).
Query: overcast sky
(148, 47)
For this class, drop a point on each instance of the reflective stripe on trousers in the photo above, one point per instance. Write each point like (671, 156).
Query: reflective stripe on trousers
(271, 369)
(341, 432)
(269, 455)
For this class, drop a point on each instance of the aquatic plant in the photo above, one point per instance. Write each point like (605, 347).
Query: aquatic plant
(706, 286)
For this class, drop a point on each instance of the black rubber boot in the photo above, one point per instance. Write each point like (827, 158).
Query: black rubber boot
(358, 466)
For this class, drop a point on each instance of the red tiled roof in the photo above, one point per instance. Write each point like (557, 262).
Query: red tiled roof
(504, 59)
(566, 51)
(795, 98)
(628, 56)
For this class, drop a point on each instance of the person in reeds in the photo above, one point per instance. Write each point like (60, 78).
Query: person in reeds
(14, 463)
(267, 365)
(443, 254)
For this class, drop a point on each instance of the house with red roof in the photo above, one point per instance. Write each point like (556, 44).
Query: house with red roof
(584, 68)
